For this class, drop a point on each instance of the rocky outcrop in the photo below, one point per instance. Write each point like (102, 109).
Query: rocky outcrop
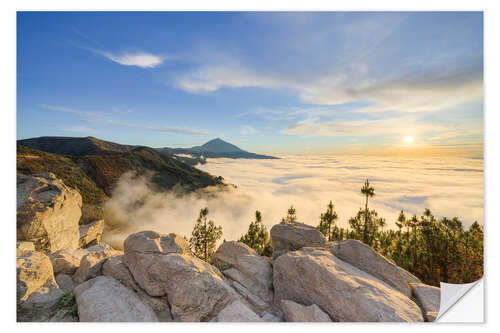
(65, 282)
(117, 269)
(163, 266)
(91, 264)
(22, 247)
(37, 290)
(299, 313)
(48, 212)
(366, 259)
(103, 299)
(315, 276)
(243, 265)
(429, 297)
(292, 236)
(237, 312)
(90, 234)
(66, 261)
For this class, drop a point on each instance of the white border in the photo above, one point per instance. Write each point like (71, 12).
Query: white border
(8, 123)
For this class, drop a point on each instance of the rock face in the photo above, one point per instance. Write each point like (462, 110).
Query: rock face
(293, 236)
(103, 299)
(237, 312)
(37, 290)
(47, 212)
(90, 234)
(366, 259)
(298, 313)
(117, 269)
(22, 247)
(163, 266)
(429, 297)
(315, 276)
(242, 264)
(91, 264)
(66, 261)
(65, 282)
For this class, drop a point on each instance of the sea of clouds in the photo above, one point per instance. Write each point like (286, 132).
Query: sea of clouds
(448, 186)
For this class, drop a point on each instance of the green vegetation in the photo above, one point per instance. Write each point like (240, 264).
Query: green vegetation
(204, 237)
(291, 216)
(67, 303)
(257, 237)
(433, 249)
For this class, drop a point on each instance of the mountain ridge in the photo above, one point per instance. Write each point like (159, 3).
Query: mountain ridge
(215, 148)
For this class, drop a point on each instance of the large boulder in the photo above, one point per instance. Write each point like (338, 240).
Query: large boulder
(117, 269)
(90, 234)
(366, 259)
(242, 264)
(103, 299)
(37, 290)
(66, 261)
(48, 212)
(429, 297)
(295, 312)
(291, 236)
(237, 311)
(163, 266)
(315, 276)
(91, 264)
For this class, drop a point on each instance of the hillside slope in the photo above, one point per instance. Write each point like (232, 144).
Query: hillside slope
(94, 166)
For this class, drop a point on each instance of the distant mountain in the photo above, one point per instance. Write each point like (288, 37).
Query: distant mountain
(94, 166)
(215, 148)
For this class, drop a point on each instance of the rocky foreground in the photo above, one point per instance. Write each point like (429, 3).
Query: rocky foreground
(65, 273)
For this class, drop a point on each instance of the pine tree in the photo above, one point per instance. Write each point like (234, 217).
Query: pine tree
(291, 216)
(327, 223)
(204, 237)
(257, 237)
(369, 192)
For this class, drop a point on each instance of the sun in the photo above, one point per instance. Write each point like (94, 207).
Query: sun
(408, 139)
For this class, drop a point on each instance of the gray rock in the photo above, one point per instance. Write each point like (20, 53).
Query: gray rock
(90, 234)
(237, 312)
(245, 266)
(315, 276)
(65, 282)
(104, 299)
(366, 259)
(117, 269)
(163, 266)
(48, 212)
(293, 236)
(91, 265)
(299, 313)
(429, 297)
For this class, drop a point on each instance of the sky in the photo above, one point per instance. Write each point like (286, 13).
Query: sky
(398, 83)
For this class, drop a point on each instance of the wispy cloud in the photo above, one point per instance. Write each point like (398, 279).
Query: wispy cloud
(100, 118)
(80, 129)
(138, 59)
(247, 130)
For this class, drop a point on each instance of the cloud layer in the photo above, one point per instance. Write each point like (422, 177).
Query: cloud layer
(448, 186)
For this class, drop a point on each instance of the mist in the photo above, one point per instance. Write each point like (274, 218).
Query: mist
(449, 187)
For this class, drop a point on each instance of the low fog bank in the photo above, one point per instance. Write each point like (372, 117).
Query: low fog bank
(449, 187)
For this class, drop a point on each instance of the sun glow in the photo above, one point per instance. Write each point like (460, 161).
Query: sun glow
(408, 139)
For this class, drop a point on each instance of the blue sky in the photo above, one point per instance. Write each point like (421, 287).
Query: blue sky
(268, 82)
